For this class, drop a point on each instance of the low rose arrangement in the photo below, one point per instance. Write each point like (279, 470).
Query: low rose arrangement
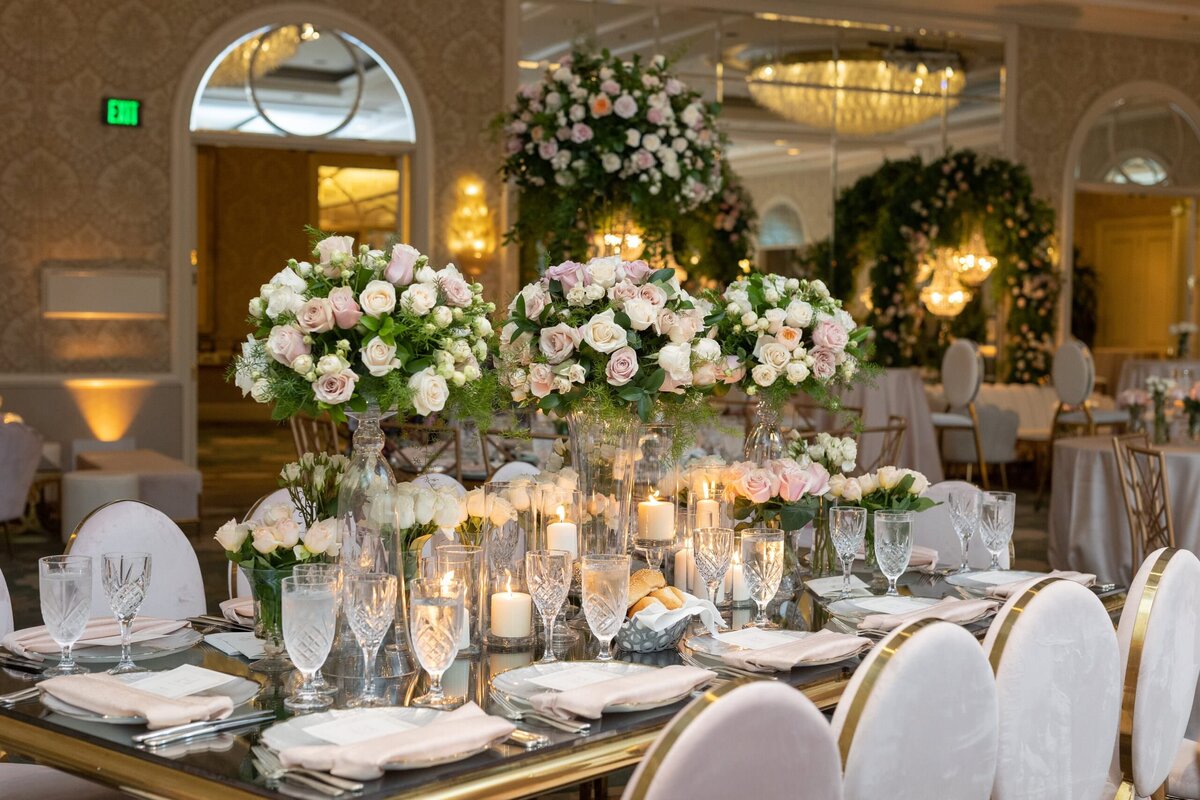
(780, 493)
(837, 454)
(408, 514)
(277, 541)
(886, 489)
(1134, 400)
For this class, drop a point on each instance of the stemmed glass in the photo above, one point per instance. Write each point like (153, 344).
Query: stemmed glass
(126, 579)
(328, 571)
(893, 544)
(964, 515)
(309, 604)
(605, 594)
(370, 603)
(65, 585)
(997, 514)
(762, 562)
(548, 573)
(848, 529)
(436, 612)
(713, 548)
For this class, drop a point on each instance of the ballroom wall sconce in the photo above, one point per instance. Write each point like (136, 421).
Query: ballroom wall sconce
(472, 236)
(108, 405)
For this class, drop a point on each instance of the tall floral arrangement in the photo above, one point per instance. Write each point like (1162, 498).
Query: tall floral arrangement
(361, 326)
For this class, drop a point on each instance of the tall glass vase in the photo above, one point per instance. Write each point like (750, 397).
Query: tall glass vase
(765, 440)
(1162, 430)
(822, 558)
(266, 587)
(602, 453)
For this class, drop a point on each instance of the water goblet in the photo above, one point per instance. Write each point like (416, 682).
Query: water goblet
(605, 596)
(65, 587)
(996, 516)
(964, 515)
(893, 545)
(848, 529)
(548, 573)
(713, 548)
(323, 570)
(309, 604)
(126, 579)
(370, 603)
(762, 564)
(436, 611)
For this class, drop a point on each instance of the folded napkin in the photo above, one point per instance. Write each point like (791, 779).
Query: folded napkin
(105, 694)
(657, 617)
(819, 646)
(462, 730)
(921, 558)
(1007, 590)
(640, 687)
(35, 642)
(239, 610)
(951, 609)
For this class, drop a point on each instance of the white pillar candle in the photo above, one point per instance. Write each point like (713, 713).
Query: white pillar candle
(562, 535)
(738, 590)
(656, 519)
(708, 513)
(512, 614)
(683, 576)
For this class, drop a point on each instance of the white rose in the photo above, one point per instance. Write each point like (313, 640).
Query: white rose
(799, 314)
(257, 307)
(482, 327)
(611, 162)
(429, 392)
(379, 357)
(676, 359)
(888, 477)
(232, 535)
(449, 512)
(475, 503)
(265, 540)
(603, 334)
(797, 372)
(378, 298)
(424, 504)
(920, 483)
(287, 277)
(868, 482)
(642, 314)
(852, 490)
(706, 350)
(775, 318)
(604, 270)
(419, 299)
(284, 300)
(426, 274)
(763, 374)
(335, 249)
(442, 316)
(405, 514)
(260, 391)
(303, 364)
(329, 364)
(775, 355)
(324, 537)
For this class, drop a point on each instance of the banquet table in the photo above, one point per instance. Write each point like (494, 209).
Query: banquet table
(221, 767)
(1089, 530)
(901, 393)
(1134, 371)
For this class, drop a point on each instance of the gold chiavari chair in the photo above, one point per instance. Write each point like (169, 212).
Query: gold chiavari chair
(421, 448)
(1147, 496)
(892, 435)
(315, 435)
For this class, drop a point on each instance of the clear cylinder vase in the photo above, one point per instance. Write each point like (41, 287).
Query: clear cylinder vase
(266, 585)
(602, 453)
(1162, 430)
(765, 440)
(822, 558)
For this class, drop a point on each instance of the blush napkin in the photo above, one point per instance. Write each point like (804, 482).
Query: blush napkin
(104, 694)
(951, 609)
(462, 730)
(640, 687)
(34, 643)
(239, 610)
(819, 646)
(1007, 590)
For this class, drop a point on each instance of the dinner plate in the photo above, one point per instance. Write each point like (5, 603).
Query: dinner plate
(240, 690)
(708, 649)
(172, 643)
(981, 581)
(518, 683)
(294, 732)
(856, 608)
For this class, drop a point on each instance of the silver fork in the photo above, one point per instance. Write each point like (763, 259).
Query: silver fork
(20, 696)
(280, 774)
(513, 712)
(271, 761)
(723, 669)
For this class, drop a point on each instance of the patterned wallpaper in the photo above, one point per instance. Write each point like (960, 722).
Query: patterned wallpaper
(73, 189)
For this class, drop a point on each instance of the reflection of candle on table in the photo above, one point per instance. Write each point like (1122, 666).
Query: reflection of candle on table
(561, 535)
(656, 519)
(708, 511)
(684, 566)
(512, 613)
(464, 633)
(738, 591)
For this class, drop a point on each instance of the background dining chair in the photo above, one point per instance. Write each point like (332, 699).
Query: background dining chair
(1147, 495)
(176, 585)
(1058, 679)
(889, 437)
(918, 718)
(513, 469)
(315, 434)
(438, 480)
(20, 454)
(776, 746)
(934, 528)
(962, 376)
(6, 609)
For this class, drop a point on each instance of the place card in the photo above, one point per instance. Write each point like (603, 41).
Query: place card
(1004, 576)
(827, 587)
(357, 727)
(572, 678)
(756, 638)
(237, 643)
(182, 681)
(893, 605)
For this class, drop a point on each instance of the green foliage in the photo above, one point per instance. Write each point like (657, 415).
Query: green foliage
(711, 241)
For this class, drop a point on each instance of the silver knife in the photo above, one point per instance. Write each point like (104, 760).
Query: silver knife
(195, 728)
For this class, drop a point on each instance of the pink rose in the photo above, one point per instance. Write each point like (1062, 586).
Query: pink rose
(667, 319)
(336, 387)
(346, 312)
(547, 149)
(535, 301)
(818, 480)
(793, 481)
(824, 365)
(580, 133)
(541, 379)
(831, 335)
(625, 106)
(653, 294)
(643, 159)
(457, 291)
(315, 316)
(558, 343)
(570, 274)
(654, 116)
(636, 271)
(705, 374)
(621, 292)
(610, 87)
(400, 268)
(757, 485)
(285, 343)
(735, 370)
(622, 366)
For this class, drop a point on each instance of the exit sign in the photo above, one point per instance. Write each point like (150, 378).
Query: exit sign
(123, 112)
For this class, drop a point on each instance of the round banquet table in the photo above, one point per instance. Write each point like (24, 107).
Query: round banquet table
(1134, 371)
(1089, 530)
(898, 392)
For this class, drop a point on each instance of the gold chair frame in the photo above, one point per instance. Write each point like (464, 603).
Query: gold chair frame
(444, 438)
(315, 435)
(893, 438)
(1146, 493)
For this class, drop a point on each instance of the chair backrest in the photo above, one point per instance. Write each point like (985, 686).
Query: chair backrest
(1073, 373)
(6, 609)
(315, 435)
(176, 585)
(918, 718)
(421, 447)
(20, 453)
(935, 528)
(1058, 677)
(962, 373)
(890, 438)
(438, 479)
(775, 745)
(513, 469)
(1159, 637)
(1147, 496)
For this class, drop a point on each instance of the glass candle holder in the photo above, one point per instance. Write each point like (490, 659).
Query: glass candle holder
(705, 499)
(657, 491)
(465, 563)
(510, 612)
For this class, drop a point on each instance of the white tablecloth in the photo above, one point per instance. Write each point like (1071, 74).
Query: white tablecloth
(1088, 527)
(899, 392)
(1134, 371)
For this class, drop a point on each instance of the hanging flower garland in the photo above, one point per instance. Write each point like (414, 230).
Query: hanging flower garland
(714, 241)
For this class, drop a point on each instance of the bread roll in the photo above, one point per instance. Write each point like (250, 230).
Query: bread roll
(641, 605)
(643, 582)
(669, 596)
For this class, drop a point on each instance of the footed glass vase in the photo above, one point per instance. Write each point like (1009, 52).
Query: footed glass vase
(603, 453)
(765, 440)
(266, 586)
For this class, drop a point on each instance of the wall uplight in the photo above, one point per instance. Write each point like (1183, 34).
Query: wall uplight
(108, 405)
(472, 236)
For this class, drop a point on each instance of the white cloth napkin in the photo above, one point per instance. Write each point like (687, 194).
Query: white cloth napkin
(640, 687)
(104, 694)
(921, 558)
(657, 617)
(239, 610)
(462, 730)
(35, 643)
(951, 609)
(1007, 590)
(820, 646)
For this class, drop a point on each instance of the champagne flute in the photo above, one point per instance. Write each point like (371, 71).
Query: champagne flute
(126, 579)
(548, 573)
(713, 548)
(605, 594)
(964, 515)
(65, 587)
(323, 570)
(848, 529)
(436, 611)
(997, 514)
(370, 602)
(893, 545)
(762, 563)
(309, 605)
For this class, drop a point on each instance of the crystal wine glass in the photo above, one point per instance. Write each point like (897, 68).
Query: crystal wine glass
(964, 515)
(996, 516)
(309, 605)
(548, 573)
(65, 585)
(713, 549)
(893, 544)
(848, 529)
(126, 579)
(762, 563)
(436, 612)
(323, 570)
(605, 592)
(370, 603)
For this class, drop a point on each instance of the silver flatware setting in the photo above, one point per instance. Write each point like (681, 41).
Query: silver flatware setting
(724, 669)
(510, 708)
(19, 696)
(265, 757)
(197, 729)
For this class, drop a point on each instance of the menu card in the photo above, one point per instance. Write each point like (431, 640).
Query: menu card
(756, 638)
(572, 678)
(356, 727)
(826, 587)
(237, 643)
(181, 681)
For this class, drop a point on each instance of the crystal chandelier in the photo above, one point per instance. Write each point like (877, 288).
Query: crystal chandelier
(868, 92)
(277, 48)
(975, 263)
(945, 296)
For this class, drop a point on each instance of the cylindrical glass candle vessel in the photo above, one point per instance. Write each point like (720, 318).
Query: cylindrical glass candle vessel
(465, 563)
(510, 611)
(705, 498)
(657, 492)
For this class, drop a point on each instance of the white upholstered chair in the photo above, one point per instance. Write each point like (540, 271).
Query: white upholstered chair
(176, 586)
(1058, 679)
(513, 469)
(6, 609)
(962, 376)
(1074, 378)
(918, 718)
(776, 745)
(20, 453)
(934, 528)
(439, 480)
